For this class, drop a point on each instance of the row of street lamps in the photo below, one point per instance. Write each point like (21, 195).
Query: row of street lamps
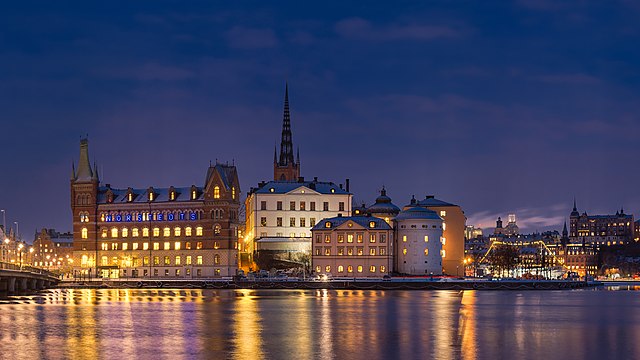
(7, 241)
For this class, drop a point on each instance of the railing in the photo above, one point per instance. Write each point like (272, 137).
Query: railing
(26, 268)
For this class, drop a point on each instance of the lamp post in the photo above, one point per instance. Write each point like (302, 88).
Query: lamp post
(20, 251)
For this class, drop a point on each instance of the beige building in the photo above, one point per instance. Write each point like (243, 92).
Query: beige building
(453, 231)
(352, 246)
(53, 250)
(419, 249)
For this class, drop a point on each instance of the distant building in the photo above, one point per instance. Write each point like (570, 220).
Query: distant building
(419, 242)
(453, 229)
(601, 230)
(281, 213)
(471, 232)
(510, 230)
(53, 250)
(174, 232)
(353, 246)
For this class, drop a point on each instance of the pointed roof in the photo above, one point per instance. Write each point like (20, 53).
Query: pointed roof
(286, 142)
(84, 167)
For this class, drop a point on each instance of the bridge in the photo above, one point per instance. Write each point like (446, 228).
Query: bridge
(19, 279)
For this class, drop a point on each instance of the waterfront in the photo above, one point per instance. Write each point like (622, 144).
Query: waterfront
(321, 324)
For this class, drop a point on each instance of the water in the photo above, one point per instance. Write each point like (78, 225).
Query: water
(294, 324)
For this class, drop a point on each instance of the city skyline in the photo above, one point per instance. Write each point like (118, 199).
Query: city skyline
(497, 132)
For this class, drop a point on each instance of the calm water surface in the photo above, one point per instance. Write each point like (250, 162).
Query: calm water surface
(290, 324)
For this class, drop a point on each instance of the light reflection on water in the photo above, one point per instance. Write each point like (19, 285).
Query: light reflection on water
(320, 324)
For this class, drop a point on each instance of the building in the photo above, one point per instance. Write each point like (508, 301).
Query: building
(471, 232)
(53, 250)
(353, 246)
(383, 208)
(280, 213)
(419, 238)
(453, 231)
(510, 230)
(154, 232)
(601, 230)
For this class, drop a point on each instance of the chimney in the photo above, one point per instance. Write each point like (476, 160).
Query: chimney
(347, 184)
(429, 197)
(300, 179)
(340, 186)
(315, 179)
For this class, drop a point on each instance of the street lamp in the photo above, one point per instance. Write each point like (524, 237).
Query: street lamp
(20, 250)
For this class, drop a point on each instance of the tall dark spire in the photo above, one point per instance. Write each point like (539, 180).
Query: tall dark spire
(84, 172)
(286, 144)
(574, 205)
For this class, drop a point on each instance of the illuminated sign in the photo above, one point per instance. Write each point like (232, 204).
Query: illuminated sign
(182, 216)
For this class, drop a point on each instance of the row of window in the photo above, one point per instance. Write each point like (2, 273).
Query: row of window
(302, 206)
(292, 222)
(350, 251)
(443, 253)
(382, 238)
(443, 240)
(135, 232)
(359, 269)
(166, 260)
(156, 246)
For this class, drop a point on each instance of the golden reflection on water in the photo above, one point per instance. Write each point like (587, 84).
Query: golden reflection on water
(248, 327)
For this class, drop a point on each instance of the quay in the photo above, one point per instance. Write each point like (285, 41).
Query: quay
(19, 279)
(336, 284)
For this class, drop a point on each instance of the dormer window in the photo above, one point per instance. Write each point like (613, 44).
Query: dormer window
(216, 192)
(327, 224)
(109, 196)
(194, 192)
(129, 195)
(172, 193)
(372, 224)
(150, 195)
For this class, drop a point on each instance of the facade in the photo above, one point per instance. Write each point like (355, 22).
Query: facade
(510, 230)
(154, 232)
(53, 250)
(353, 246)
(601, 230)
(419, 242)
(281, 213)
(453, 231)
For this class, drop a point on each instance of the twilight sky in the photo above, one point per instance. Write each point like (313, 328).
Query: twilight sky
(497, 106)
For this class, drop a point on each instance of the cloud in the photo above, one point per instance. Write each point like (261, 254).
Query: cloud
(361, 29)
(251, 38)
(528, 219)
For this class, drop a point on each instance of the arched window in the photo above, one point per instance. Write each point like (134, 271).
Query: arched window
(166, 232)
(187, 231)
(145, 232)
(199, 231)
(114, 232)
(216, 192)
(177, 231)
(156, 232)
(216, 259)
(134, 232)
(85, 233)
(125, 232)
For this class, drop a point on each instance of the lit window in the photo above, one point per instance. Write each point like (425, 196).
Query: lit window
(359, 238)
(194, 194)
(177, 262)
(150, 196)
(327, 238)
(426, 238)
(443, 240)
(177, 231)
(359, 268)
(216, 245)
(327, 251)
(188, 260)
(199, 231)
(114, 246)
(443, 213)
(145, 232)
(134, 232)
(145, 246)
(114, 233)
(360, 251)
(85, 233)
(372, 251)
(404, 251)
(233, 192)
(318, 268)
(177, 245)
(216, 192)
(104, 246)
(216, 259)
(125, 246)
(426, 252)
(372, 224)
(199, 245)
(172, 195)
(135, 246)
(340, 268)
(156, 246)
(444, 253)
(83, 261)
(199, 260)
(340, 238)
(372, 268)
(404, 238)
(327, 269)
(167, 246)
(327, 224)
(125, 232)
(444, 226)
(130, 197)
(382, 269)
(156, 232)
(166, 232)
(372, 238)
(167, 260)
(187, 231)
(349, 238)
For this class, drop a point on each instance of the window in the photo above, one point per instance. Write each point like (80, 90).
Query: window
(382, 251)
(327, 268)
(340, 238)
(383, 238)
(166, 232)
(135, 246)
(325, 206)
(426, 251)
(404, 251)
(372, 251)
(167, 260)
(156, 260)
(199, 245)
(443, 240)
(341, 206)
(233, 192)
(318, 239)
(312, 206)
(318, 251)
(350, 268)
(85, 233)
(263, 205)
(114, 233)
(372, 238)
(341, 250)
(327, 238)
(263, 221)
(404, 238)
(360, 250)
(216, 192)
(199, 231)
(125, 246)
(318, 268)
(187, 245)
(114, 246)
(145, 232)
(426, 238)
(349, 238)
(312, 221)
(177, 231)
(279, 221)
(444, 226)
(187, 231)
(177, 262)
(145, 246)
(292, 222)
(292, 205)
(383, 268)
(359, 268)
(327, 224)
(279, 205)
(303, 222)
(188, 260)
(134, 232)
(104, 261)
(216, 245)
(156, 232)
(327, 251)
(216, 259)
(443, 213)
(372, 268)
(350, 251)
(444, 253)
(104, 246)
(359, 237)
(156, 246)
(340, 268)
(302, 205)
(145, 260)
(167, 246)
(199, 260)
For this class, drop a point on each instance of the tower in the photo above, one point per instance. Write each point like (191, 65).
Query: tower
(573, 220)
(84, 208)
(285, 167)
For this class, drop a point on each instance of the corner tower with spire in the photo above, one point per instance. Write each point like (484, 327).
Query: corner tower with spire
(285, 167)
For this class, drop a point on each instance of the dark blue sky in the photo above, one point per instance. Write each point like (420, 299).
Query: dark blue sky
(497, 106)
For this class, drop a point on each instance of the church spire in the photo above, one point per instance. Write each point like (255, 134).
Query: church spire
(84, 167)
(286, 144)
(73, 171)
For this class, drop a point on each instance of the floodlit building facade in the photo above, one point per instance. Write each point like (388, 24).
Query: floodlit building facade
(601, 230)
(419, 242)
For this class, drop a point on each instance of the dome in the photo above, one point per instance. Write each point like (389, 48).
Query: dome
(417, 213)
(383, 205)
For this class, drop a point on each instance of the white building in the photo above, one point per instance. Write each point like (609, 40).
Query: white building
(419, 242)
